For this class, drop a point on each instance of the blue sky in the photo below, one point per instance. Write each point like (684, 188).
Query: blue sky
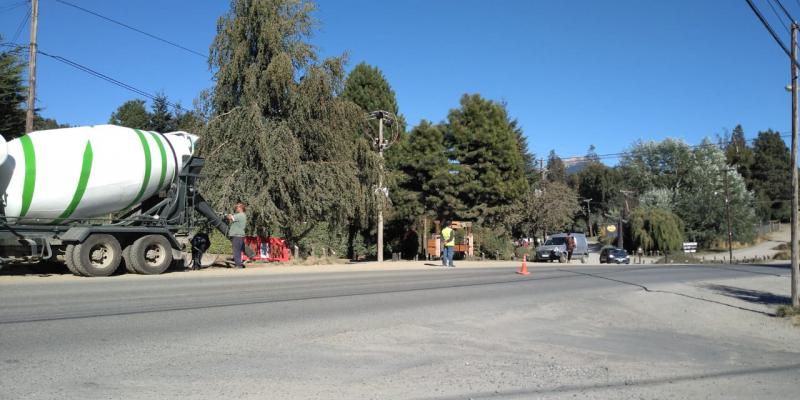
(574, 73)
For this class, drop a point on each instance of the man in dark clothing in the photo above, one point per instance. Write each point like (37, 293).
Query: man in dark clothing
(570, 246)
(200, 243)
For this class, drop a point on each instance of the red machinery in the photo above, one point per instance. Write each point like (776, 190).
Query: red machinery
(266, 249)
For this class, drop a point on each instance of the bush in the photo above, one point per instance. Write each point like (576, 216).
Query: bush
(524, 251)
(494, 243)
(219, 243)
(787, 311)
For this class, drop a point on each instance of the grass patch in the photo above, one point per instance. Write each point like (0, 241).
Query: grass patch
(786, 311)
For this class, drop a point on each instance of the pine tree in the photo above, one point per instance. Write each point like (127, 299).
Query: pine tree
(161, 119)
(740, 155)
(290, 147)
(771, 176)
(131, 114)
(556, 171)
(425, 184)
(488, 167)
(12, 112)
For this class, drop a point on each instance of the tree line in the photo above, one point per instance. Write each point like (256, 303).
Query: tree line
(287, 133)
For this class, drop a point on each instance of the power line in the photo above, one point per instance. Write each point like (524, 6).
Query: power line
(791, 19)
(108, 78)
(132, 28)
(14, 6)
(771, 31)
(621, 154)
(21, 26)
(774, 11)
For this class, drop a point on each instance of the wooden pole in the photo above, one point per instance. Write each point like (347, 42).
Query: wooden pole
(794, 247)
(32, 68)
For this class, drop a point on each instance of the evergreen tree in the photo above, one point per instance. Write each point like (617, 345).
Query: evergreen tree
(601, 184)
(556, 170)
(740, 155)
(131, 114)
(488, 165)
(531, 173)
(281, 139)
(771, 175)
(12, 99)
(161, 119)
(40, 123)
(367, 87)
(425, 184)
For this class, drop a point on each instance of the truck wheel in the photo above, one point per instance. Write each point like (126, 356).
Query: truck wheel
(150, 255)
(98, 255)
(585, 259)
(68, 260)
(562, 259)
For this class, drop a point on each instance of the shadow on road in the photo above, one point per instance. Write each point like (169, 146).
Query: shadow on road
(38, 269)
(751, 296)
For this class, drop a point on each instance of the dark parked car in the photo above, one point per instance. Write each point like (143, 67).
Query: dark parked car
(614, 255)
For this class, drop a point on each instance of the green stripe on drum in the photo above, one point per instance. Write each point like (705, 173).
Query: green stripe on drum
(163, 152)
(30, 174)
(147, 167)
(86, 171)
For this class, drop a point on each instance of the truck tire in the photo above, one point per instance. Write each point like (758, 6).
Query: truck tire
(68, 260)
(584, 259)
(126, 256)
(150, 255)
(98, 255)
(562, 259)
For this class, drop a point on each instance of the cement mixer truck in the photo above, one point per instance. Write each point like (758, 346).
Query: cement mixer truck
(96, 197)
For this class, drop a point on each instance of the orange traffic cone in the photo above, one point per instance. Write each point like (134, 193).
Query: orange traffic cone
(523, 270)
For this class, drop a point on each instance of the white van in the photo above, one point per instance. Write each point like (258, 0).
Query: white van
(555, 248)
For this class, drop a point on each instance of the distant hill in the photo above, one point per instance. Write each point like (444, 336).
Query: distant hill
(573, 165)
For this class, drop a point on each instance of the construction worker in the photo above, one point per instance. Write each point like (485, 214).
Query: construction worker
(449, 241)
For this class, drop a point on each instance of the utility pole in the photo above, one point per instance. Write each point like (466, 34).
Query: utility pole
(793, 58)
(381, 192)
(588, 216)
(795, 269)
(622, 213)
(541, 168)
(728, 217)
(32, 68)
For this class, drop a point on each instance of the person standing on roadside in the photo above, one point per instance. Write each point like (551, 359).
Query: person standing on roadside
(449, 241)
(570, 246)
(238, 222)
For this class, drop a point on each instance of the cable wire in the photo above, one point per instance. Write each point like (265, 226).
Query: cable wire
(107, 78)
(774, 11)
(14, 6)
(21, 26)
(786, 12)
(621, 154)
(771, 31)
(132, 28)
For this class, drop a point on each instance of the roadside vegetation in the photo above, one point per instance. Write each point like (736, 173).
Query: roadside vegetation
(787, 311)
(286, 132)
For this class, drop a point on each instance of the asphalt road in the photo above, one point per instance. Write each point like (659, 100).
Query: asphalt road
(436, 333)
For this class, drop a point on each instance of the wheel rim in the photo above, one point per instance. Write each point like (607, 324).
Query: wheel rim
(154, 255)
(101, 255)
